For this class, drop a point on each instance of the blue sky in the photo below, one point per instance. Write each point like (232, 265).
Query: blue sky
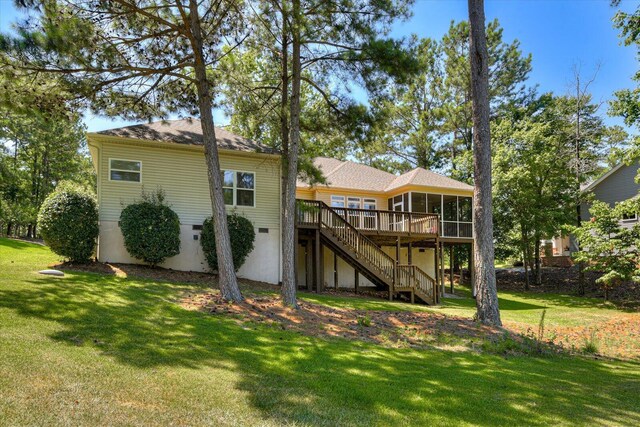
(558, 33)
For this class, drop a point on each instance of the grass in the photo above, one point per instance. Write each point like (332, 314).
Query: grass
(89, 349)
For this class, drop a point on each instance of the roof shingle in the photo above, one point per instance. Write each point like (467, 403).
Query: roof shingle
(185, 131)
(356, 176)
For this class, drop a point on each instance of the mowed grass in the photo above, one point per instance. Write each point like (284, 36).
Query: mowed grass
(89, 349)
(522, 308)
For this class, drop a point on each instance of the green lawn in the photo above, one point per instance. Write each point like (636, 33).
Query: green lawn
(88, 349)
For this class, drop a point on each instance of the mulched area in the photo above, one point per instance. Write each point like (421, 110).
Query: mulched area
(158, 273)
(395, 329)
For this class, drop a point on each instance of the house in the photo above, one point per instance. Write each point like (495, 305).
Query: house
(616, 185)
(364, 227)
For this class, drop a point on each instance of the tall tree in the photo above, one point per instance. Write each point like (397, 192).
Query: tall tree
(141, 59)
(485, 275)
(427, 122)
(305, 57)
(534, 196)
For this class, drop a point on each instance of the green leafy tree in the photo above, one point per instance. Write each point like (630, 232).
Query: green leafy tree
(137, 60)
(534, 190)
(609, 247)
(304, 58)
(427, 121)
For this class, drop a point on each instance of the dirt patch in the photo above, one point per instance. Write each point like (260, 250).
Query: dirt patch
(618, 337)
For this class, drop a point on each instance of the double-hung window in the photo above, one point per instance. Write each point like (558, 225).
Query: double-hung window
(337, 201)
(125, 170)
(239, 188)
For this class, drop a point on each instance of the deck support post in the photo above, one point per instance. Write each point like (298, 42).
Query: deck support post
(296, 251)
(319, 263)
(308, 265)
(356, 279)
(398, 249)
(451, 268)
(442, 269)
(436, 256)
(335, 271)
(410, 254)
(472, 269)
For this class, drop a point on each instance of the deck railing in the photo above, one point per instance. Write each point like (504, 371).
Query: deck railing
(369, 220)
(317, 214)
(418, 279)
(312, 212)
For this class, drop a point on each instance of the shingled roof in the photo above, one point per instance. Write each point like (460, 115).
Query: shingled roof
(187, 132)
(356, 176)
(423, 177)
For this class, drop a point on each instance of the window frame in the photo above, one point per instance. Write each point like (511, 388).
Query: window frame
(336, 196)
(369, 201)
(123, 170)
(353, 199)
(631, 219)
(235, 187)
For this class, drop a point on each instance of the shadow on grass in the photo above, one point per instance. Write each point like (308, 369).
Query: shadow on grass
(296, 379)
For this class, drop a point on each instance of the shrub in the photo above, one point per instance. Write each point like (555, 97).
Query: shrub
(68, 222)
(151, 229)
(242, 237)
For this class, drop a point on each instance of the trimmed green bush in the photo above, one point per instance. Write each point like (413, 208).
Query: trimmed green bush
(151, 229)
(68, 222)
(242, 237)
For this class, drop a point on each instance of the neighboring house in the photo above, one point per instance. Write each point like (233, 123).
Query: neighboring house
(617, 185)
(364, 227)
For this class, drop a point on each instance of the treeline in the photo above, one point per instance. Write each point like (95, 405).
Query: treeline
(38, 150)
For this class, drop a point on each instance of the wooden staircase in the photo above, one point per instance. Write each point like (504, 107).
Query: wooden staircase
(364, 255)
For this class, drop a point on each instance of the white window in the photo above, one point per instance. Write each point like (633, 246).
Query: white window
(337, 201)
(125, 170)
(369, 204)
(353, 202)
(239, 188)
(630, 217)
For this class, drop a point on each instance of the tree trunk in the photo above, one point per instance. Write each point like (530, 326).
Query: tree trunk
(487, 300)
(536, 254)
(227, 276)
(289, 205)
(526, 269)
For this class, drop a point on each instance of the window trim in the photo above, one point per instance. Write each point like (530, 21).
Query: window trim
(353, 199)
(123, 170)
(629, 220)
(235, 187)
(336, 196)
(367, 201)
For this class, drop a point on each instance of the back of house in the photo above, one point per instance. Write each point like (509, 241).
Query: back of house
(170, 156)
(406, 221)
